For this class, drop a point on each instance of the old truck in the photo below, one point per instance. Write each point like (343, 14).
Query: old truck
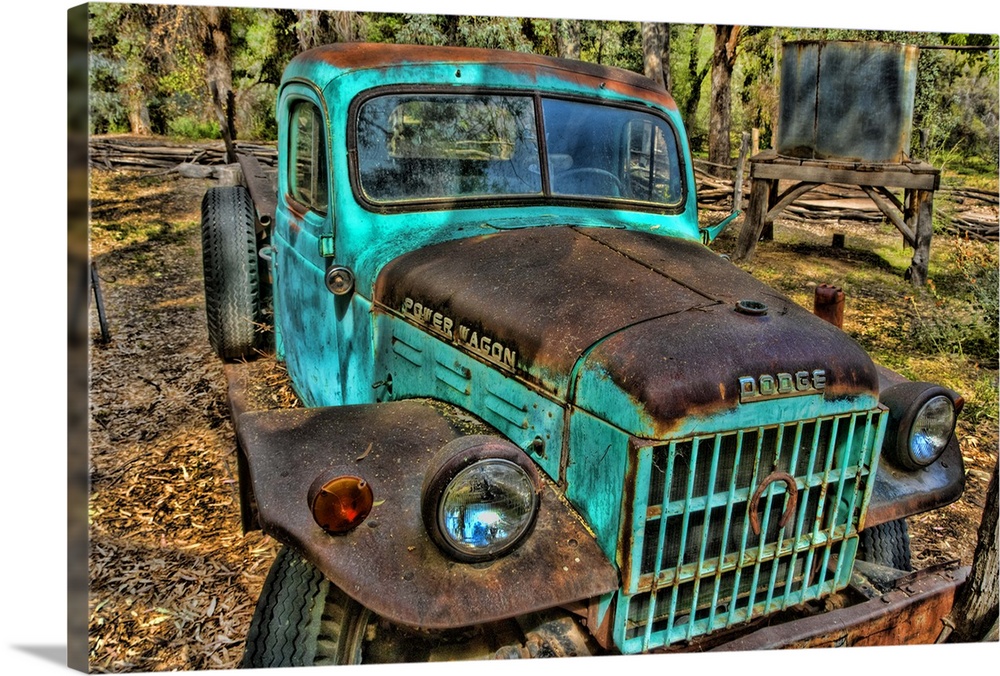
(540, 416)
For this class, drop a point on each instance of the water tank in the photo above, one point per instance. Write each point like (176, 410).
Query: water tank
(846, 100)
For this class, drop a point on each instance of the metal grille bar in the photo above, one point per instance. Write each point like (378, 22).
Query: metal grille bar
(695, 561)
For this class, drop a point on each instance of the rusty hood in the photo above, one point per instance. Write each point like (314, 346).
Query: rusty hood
(581, 311)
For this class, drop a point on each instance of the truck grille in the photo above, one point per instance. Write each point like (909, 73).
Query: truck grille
(717, 537)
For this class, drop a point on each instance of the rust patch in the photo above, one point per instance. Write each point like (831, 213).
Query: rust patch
(673, 365)
(911, 614)
(261, 184)
(654, 315)
(899, 493)
(547, 294)
(625, 554)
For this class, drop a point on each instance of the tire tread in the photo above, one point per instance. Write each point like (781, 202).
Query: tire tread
(232, 278)
(887, 544)
(301, 618)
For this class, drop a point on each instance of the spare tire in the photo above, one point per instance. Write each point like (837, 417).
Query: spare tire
(232, 279)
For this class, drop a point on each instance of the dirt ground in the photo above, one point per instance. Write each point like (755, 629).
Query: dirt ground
(173, 579)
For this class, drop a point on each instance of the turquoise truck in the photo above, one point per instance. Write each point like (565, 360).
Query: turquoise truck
(540, 417)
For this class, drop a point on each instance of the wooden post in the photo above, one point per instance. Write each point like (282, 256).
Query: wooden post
(919, 217)
(919, 180)
(760, 190)
(95, 284)
(767, 234)
(740, 166)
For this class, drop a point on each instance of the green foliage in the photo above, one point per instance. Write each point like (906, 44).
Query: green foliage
(492, 33)
(187, 74)
(967, 112)
(962, 315)
(541, 34)
(190, 127)
(423, 29)
(148, 63)
(755, 84)
(612, 43)
(107, 108)
(383, 27)
(122, 80)
(261, 47)
(983, 406)
(690, 59)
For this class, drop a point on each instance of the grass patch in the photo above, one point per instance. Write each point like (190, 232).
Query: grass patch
(189, 128)
(140, 232)
(945, 332)
(959, 313)
(982, 403)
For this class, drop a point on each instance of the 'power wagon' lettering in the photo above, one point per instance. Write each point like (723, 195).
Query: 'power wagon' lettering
(781, 385)
(478, 343)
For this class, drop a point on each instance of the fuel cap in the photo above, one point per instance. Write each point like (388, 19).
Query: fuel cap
(751, 307)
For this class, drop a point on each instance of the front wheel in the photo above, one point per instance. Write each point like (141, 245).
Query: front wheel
(303, 620)
(887, 544)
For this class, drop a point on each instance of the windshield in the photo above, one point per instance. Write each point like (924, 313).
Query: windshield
(423, 146)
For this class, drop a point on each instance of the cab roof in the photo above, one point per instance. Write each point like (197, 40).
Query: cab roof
(327, 62)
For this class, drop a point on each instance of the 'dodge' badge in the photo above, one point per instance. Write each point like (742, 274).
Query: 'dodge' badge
(769, 386)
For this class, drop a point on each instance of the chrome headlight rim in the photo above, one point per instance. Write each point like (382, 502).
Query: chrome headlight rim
(908, 403)
(461, 455)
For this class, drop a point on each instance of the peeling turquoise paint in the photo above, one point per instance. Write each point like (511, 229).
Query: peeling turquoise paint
(421, 366)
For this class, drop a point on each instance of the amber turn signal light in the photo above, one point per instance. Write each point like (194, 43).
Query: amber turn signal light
(340, 504)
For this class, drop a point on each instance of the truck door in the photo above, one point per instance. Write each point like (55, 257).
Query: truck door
(305, 324)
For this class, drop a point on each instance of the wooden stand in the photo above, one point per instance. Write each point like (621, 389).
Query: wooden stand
(912, 217)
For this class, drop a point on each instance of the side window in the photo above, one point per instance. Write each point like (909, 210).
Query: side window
(653, 165)
(307, 157)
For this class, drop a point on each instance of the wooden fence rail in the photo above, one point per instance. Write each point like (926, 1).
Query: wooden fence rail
(162, 156)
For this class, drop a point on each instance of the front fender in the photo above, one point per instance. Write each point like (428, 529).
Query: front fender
(389, 562)
(899, 493)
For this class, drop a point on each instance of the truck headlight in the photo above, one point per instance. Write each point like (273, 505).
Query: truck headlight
(931, 430)
(921, 423)
(480, 498)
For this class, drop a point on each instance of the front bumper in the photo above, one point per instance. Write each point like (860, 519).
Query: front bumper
(911, 613)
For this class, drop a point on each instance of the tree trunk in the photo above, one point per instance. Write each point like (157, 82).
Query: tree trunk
(696, 76)
(567, 38)
(667, 83)
(973, 618)
(136, 81)
(344, 26)
(723, 58)
(307, 28)
(138, 111)
(656, 52)
(219, 67)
